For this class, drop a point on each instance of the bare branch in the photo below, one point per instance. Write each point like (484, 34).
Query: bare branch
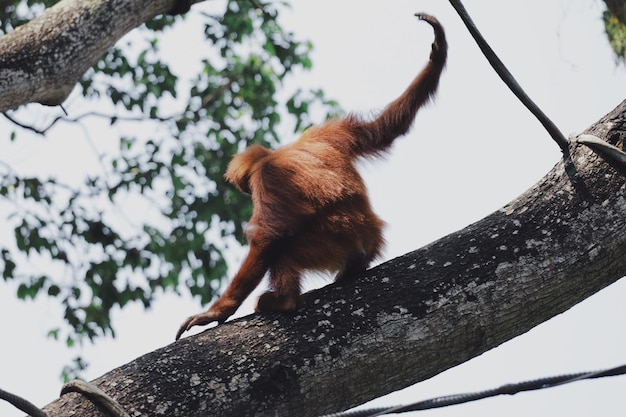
(112, 117)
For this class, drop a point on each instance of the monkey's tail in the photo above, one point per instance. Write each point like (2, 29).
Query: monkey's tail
(375, 137)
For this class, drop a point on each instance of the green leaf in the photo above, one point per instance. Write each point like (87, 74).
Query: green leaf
(54, 290)
(54, 334)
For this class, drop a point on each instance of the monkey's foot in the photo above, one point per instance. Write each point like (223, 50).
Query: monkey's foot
(271, 301)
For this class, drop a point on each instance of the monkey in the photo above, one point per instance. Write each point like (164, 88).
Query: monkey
(311, 210)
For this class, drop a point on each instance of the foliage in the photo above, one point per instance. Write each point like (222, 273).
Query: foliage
(615, 26)
(169, 163)
(616, 32)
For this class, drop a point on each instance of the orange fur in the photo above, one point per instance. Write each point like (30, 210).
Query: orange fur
(310, 205)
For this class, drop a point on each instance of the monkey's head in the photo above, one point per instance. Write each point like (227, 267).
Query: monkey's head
(243, 164)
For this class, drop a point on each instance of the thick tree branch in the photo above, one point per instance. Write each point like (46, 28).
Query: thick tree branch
(403, 321)
(43, 60)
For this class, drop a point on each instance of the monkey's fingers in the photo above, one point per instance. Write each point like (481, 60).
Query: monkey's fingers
(196, 320)
(184, 327)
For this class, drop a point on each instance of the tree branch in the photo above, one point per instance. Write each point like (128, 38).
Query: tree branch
(43, 60)
(403, 321)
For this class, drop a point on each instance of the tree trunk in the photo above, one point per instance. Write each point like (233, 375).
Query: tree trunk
(43, 60)
(403, 321)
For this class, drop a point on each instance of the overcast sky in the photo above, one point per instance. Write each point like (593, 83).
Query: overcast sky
(472, 151)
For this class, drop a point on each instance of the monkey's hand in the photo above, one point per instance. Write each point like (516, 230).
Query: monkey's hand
(202, 319)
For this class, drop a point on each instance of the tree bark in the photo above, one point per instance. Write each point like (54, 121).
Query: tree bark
(43, 60)
(403, 321)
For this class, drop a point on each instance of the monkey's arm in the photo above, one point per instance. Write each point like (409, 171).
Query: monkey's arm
(245, 281)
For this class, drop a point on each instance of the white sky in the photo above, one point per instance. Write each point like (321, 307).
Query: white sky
(470, 153)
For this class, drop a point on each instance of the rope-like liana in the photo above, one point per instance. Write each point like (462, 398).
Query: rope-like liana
(508, 78)
(508, 389)
(601, 147)
(95, 395)
(22, 404)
